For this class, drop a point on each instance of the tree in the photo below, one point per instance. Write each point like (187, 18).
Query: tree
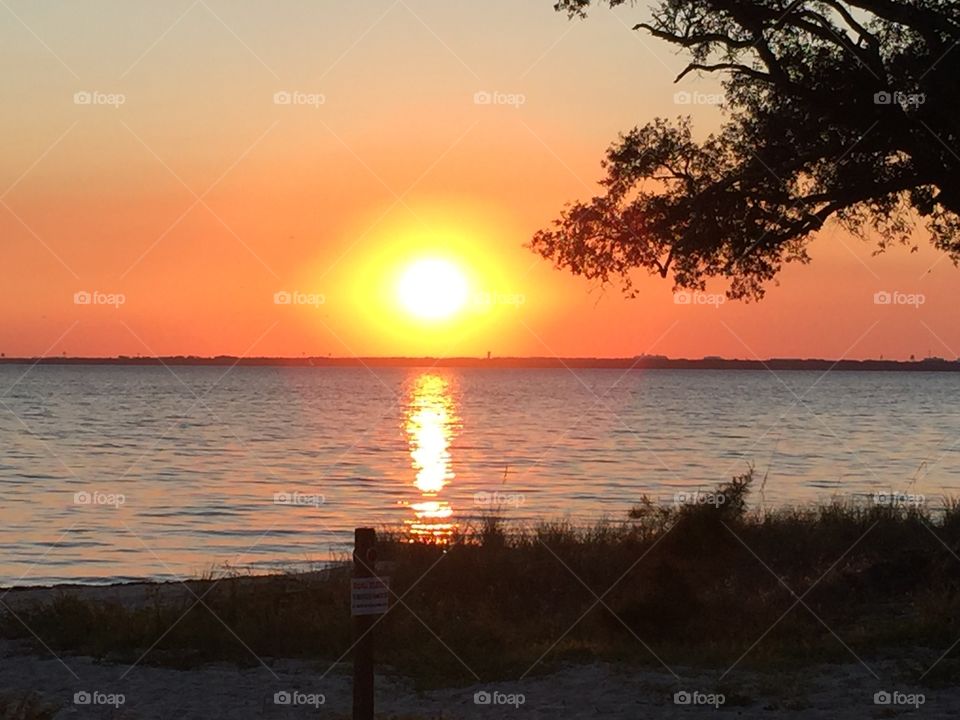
(833, 110)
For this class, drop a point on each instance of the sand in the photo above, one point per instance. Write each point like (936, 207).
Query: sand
(595, 690)
(585, 691)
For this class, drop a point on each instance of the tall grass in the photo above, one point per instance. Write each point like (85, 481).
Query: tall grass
(696, 584)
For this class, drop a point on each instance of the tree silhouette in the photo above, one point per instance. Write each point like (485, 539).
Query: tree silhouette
(843, 110)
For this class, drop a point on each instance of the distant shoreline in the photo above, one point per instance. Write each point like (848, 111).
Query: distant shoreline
(634, 363)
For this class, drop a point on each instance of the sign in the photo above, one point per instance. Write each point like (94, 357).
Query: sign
(369, 596)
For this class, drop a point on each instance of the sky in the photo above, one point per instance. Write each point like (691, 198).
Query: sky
(206, 177)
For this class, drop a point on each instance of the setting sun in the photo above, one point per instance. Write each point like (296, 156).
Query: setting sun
(314, 307)
(432, 289)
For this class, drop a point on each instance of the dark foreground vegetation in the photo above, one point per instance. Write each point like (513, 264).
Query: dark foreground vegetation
(702, 585)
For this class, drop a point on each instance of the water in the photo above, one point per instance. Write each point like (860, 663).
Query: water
(131, 472)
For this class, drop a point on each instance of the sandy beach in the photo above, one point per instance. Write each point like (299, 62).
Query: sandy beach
(43, 684)
(588, 691)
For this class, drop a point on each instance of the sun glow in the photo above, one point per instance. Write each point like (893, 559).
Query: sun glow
(432, 289)
(427, 286)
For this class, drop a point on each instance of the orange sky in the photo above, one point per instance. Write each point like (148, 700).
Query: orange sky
(200, 197)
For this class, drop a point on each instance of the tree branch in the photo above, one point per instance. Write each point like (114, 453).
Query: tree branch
(744, 69)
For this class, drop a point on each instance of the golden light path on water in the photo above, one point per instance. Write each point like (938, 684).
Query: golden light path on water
(430, 424)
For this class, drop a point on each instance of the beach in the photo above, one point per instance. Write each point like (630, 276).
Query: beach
(585, 690)
(492, 625)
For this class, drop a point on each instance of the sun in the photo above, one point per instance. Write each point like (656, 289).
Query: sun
(432, 289)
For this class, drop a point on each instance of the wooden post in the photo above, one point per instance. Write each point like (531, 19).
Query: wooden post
(364, 566)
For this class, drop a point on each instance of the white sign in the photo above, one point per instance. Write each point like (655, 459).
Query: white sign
(369, 596)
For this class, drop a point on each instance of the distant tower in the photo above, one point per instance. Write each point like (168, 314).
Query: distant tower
(488, 354)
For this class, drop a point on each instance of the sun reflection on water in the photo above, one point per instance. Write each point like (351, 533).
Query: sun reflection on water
(430, 423)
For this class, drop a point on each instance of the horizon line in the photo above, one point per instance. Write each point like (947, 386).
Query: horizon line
(644, 361)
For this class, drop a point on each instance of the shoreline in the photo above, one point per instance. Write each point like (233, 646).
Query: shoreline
(127, 592)
(897, 503)
(697, 599)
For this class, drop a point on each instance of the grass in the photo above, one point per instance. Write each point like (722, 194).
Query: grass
(25, 706)
(696, 584)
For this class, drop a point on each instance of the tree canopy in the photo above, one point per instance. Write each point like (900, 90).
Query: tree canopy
(832, 110)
